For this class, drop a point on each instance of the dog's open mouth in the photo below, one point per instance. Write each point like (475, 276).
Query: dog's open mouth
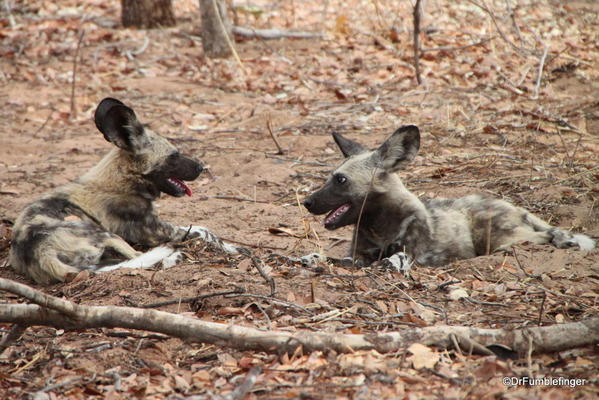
(179, 187)
(334, 216)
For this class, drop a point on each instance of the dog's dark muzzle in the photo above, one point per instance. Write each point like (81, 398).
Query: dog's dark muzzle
(188, 169)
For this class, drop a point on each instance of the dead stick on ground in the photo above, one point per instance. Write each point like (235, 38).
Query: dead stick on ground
(73, 114)
(45, 123)
(540, 73)
(521, 267)
(273, 34)
(190, 299)
(546, 339)
(242, 390)
(455, 48)
(542, 308)
(274, 137)
(257, 263)
(417, 10)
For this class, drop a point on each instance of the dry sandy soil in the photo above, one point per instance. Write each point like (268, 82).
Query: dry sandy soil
(484, 131)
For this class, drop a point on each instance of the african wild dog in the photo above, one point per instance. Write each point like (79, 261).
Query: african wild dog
(433, 232)
(91, 221)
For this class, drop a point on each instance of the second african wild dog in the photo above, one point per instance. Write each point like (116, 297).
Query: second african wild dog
(94, 219)
(366, 191)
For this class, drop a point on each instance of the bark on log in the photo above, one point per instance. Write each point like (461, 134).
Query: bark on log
(59, 313)
(145, 14)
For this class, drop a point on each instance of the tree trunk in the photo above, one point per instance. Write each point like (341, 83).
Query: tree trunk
(216, 29)
(147, 13)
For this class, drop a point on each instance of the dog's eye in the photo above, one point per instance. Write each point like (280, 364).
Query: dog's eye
(341, 179)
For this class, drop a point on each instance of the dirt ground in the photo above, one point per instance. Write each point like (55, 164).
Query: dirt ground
(484, 130)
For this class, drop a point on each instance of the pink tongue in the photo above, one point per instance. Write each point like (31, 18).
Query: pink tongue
(333, 215)
(185, 187)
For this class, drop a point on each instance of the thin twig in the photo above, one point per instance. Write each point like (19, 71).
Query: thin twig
(271, 299)
(484, 303)
(73, 114)
(190, 299)
(257, 263)
(41, 128)
(295, 161)
(417, 41)
(268, 321)
(356, 231)
(59, 385)
(488, 235)
(542, 308)
(454, 48)
(503, 36)
(222, 197)
(521, 267)
(242, 390)
(274, 137)
(540, 73)
(227, 38)
(8, 9)
(272, 34)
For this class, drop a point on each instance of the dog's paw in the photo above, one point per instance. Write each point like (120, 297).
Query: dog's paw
(312, 259)
(172, 260)
(202, 233)
(399, 262)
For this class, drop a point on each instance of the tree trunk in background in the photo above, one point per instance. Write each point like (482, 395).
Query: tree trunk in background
(147, 13)
(214, 38)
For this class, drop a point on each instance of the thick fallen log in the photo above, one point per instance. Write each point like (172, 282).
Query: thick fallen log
(63, 314)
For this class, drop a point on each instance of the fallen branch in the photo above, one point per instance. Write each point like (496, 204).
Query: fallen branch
(49, 312)
(273, 34)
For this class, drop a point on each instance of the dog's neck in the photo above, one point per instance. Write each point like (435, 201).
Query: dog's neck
(396, 216)
(108, 175)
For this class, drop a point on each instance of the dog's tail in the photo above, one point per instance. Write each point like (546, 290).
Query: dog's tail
(164, 254)
(560, 238)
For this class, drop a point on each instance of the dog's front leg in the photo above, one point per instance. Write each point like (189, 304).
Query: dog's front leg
(147, 230)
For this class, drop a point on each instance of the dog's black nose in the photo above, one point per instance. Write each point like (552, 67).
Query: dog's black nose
(308, 203)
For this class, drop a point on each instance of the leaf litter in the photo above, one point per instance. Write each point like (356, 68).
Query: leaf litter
(483, 131)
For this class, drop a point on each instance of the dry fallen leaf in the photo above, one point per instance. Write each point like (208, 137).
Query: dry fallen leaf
(457, 294)
(422, 356)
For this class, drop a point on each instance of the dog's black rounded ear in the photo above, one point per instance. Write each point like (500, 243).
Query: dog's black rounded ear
(399, 149)
(118, 123)
(348, 147)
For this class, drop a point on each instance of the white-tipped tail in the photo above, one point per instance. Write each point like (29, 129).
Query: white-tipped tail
(584, 242)
(167, 255)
